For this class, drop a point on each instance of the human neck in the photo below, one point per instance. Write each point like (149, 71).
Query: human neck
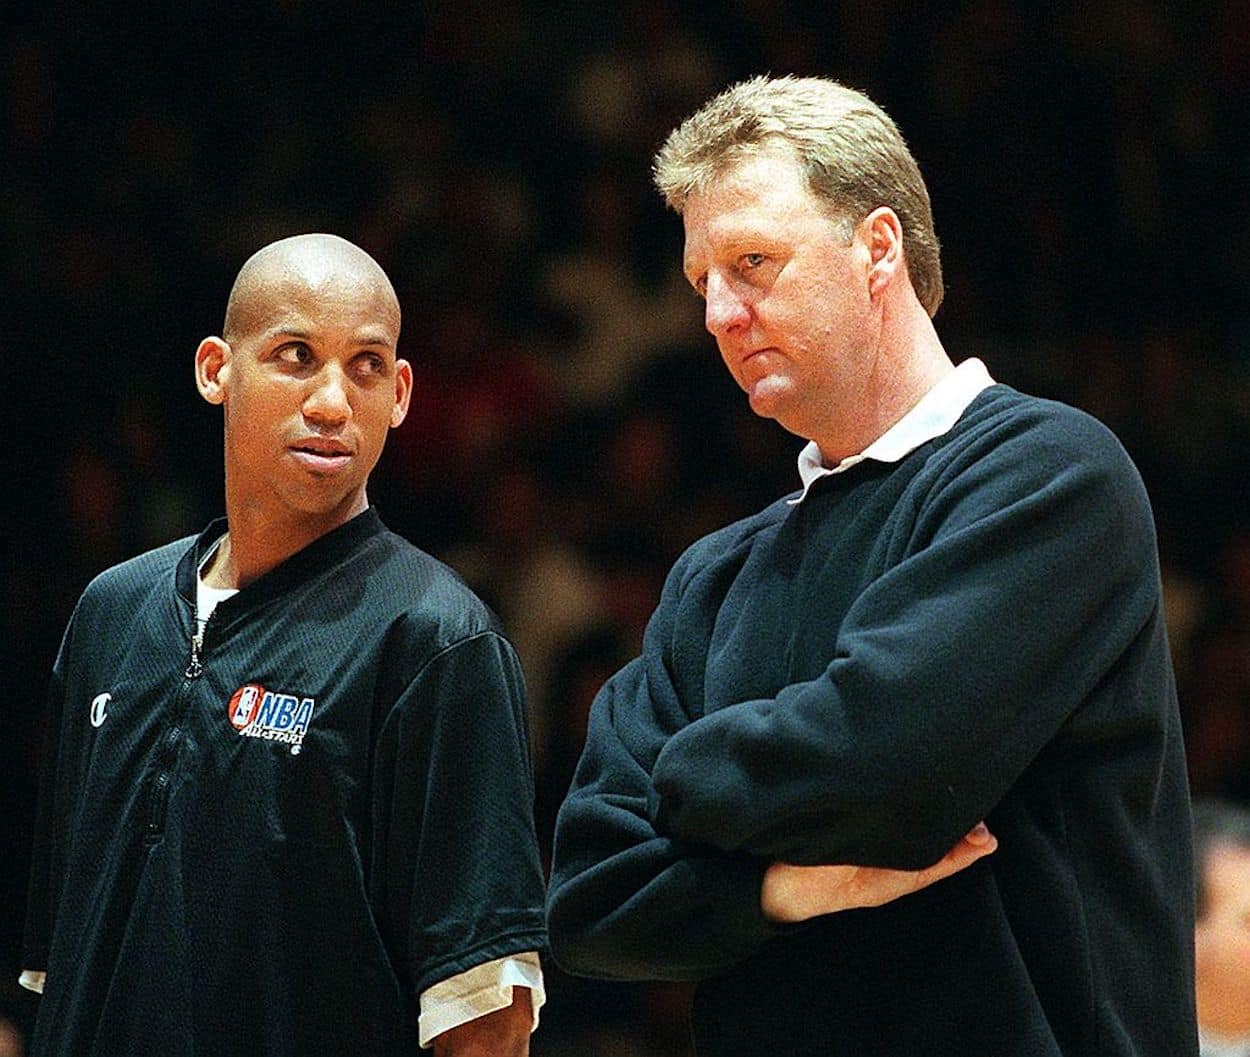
(257, 541)
(1221, 1014)
(910, 361)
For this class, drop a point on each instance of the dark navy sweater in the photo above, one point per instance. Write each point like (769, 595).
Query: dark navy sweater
(974, 632)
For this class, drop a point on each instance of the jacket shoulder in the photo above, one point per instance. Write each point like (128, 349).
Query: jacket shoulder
(135, 576)
(419, 587)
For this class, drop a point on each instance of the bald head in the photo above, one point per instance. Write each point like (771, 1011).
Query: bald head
(328, 266)
(310, 383)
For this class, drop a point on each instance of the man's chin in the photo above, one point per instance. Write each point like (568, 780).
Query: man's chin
(769, 397)
(326, 502)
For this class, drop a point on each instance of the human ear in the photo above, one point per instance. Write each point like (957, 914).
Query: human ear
(212, 369)
(403, 392)
(884, 236)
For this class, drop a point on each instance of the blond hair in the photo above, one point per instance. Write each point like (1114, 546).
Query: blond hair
(852, 153)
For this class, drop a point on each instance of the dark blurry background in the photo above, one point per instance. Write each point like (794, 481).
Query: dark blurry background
(572, 429)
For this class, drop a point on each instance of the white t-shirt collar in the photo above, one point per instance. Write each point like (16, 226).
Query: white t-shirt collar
(936, 412)
(207, 598)
(1213, 1044)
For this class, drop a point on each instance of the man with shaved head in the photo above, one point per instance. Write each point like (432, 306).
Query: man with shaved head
(286, 804)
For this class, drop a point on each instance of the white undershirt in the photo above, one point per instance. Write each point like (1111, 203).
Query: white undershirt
(447, 1004)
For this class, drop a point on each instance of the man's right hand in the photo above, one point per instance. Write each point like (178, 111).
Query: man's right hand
(796, 893)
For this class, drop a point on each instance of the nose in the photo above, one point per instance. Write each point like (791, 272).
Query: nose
(724, 309)
(326, 403)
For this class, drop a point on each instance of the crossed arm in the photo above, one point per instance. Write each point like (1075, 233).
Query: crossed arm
(790, 894)
(688, 840)
(628, 901)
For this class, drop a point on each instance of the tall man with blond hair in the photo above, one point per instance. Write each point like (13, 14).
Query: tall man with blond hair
(957, 619)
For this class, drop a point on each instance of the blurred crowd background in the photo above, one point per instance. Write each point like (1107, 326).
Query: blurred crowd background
(572, 428)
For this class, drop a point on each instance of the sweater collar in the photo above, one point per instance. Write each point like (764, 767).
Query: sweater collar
(936, 412)
(323, 553)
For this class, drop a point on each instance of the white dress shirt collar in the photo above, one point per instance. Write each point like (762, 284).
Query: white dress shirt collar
(937, 411)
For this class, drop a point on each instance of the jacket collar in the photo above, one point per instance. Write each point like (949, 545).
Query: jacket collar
(323, 553)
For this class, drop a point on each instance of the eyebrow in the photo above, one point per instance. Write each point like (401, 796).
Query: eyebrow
(299, 334)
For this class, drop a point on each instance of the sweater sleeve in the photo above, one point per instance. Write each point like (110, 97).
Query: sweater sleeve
(1029, 572)
(627, 902)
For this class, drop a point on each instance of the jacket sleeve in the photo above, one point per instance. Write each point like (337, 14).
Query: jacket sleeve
(627, 902)
(1029, 571)
(454, 801)
(47, 858)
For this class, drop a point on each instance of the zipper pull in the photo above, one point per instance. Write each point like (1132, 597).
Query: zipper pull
(195, 669)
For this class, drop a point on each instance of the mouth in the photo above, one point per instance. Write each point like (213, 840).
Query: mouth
(748, 358)
(320, 453)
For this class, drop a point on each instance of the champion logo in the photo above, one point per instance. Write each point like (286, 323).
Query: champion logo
(270, 714)
(100, 709)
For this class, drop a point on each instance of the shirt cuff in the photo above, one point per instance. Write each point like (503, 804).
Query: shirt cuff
(478, 991)
(32, 980)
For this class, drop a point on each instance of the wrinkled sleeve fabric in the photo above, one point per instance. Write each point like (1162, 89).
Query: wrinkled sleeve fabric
(1028, 571)
(626, 901)
(462, 874)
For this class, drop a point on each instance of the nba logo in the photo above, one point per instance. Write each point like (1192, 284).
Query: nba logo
(270, 715)
(242, 708)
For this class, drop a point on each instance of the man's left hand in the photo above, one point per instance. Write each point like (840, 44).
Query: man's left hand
(795, 893)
